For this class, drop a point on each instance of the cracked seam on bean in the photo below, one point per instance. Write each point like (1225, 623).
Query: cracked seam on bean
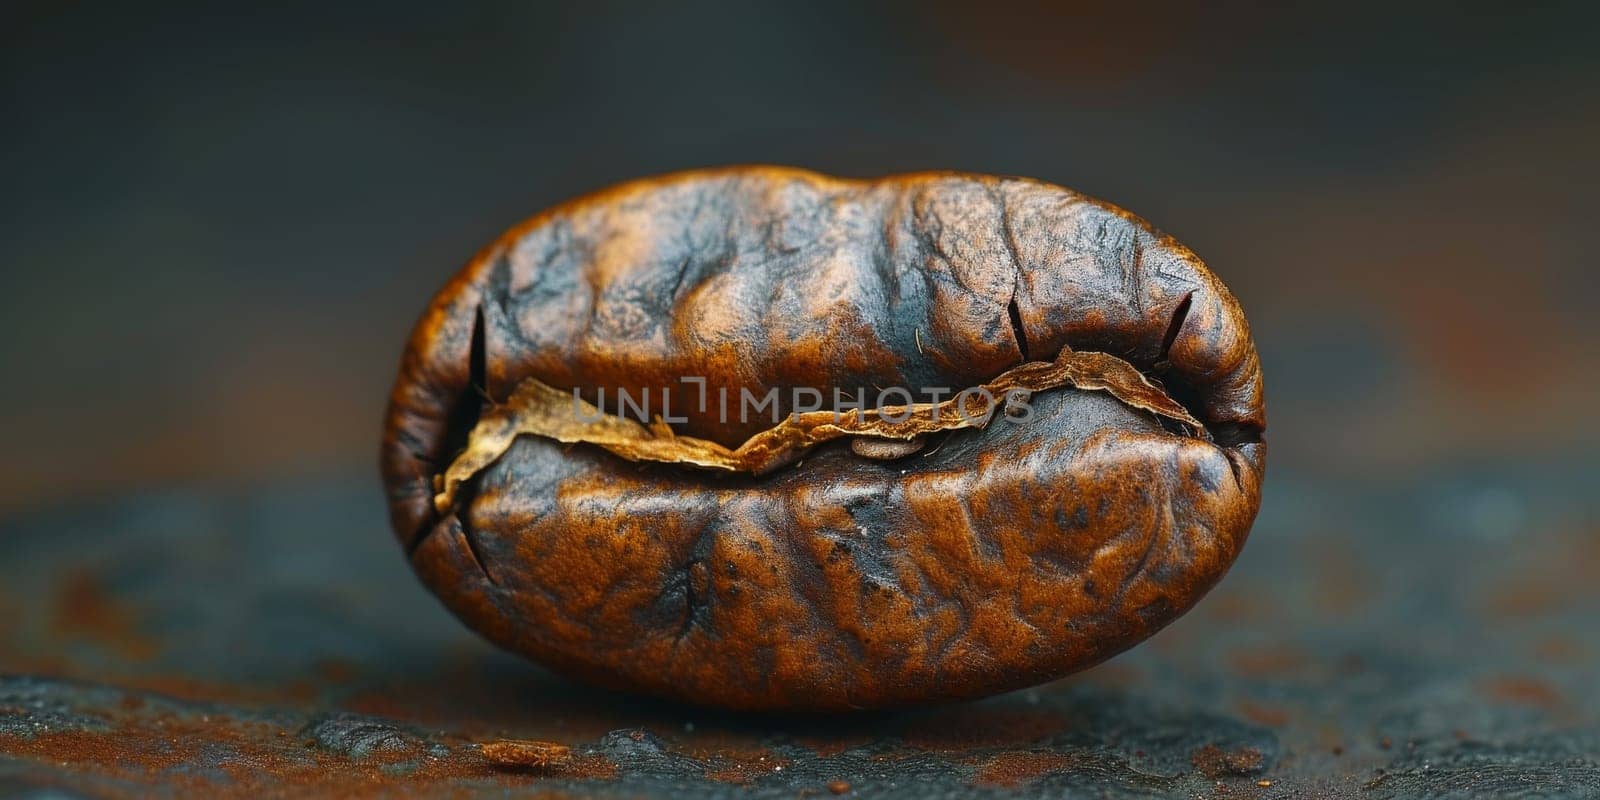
(538, 409)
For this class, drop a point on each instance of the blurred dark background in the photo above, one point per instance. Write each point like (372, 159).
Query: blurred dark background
(219, 225)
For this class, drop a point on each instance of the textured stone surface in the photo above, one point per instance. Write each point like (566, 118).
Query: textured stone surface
(1429, 637)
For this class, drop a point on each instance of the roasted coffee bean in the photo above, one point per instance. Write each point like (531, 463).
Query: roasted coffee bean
(674, 539)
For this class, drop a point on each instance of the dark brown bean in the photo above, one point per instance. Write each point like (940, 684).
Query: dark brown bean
(1003, 555)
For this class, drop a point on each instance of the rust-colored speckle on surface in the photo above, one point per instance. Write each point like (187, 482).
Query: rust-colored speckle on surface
(1214, 762)
(145, 742)
(1010, 770)
(526, 754)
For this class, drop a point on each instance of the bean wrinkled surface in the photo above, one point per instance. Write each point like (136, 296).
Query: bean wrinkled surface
(861, 571)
